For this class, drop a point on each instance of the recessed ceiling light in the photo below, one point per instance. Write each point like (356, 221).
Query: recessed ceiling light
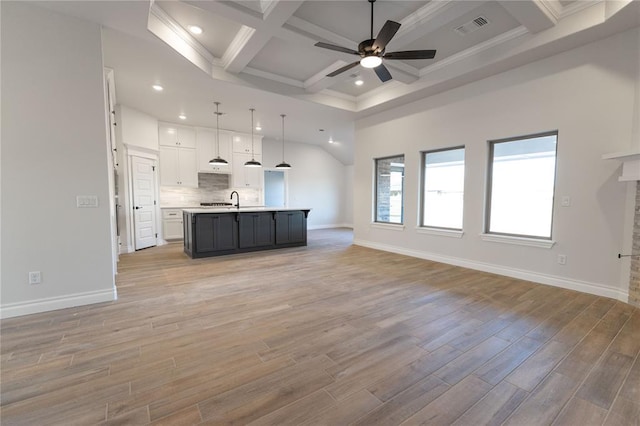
(195, 29)
(258, 128)
(359, 82)
(182, 117)
(331, 141)
(157, 88)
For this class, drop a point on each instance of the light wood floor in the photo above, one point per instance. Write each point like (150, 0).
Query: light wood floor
(329, 334)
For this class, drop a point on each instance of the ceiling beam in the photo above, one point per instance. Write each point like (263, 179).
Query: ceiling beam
(534, 15)
(239, 54)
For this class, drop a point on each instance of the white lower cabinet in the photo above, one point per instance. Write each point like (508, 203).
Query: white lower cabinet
(172, 224)
(246, 177)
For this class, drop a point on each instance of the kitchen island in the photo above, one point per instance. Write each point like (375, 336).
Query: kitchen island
(219, 231)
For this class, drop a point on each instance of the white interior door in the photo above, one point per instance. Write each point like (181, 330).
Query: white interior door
(144, 209)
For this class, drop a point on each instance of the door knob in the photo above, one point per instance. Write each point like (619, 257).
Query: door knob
(137, 207)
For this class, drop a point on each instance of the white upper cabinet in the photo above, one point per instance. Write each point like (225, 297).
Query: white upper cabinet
(206, 150)
(174, 135)
(178, 167)
(246, 177)
(242, 143)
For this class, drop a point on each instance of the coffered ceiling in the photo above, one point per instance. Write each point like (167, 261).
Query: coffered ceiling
(261, 52)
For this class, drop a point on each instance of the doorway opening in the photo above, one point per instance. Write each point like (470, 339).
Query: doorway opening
(275, 188)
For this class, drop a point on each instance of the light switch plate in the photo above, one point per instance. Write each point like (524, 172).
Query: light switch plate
(566, 201)
(84, 201)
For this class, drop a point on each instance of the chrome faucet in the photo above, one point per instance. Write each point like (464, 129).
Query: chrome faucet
(238, 197)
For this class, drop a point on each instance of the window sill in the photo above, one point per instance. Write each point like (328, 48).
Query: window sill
(391, 226)
(453, 233)
(521, 241)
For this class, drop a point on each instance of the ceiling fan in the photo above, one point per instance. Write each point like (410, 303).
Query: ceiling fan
(372, 51)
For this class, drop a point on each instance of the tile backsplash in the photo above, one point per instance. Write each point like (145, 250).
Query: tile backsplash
(212, 187)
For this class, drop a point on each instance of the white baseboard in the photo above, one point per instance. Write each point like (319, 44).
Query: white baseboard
(568, 283)
(334, 225)
(53, 303)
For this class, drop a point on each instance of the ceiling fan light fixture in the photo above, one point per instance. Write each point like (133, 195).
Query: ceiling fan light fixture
(370, 61)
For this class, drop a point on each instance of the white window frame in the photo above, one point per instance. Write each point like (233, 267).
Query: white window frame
(519, 239)
(432, 229)
(376, 221)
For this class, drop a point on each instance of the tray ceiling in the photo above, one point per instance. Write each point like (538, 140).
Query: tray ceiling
(264, 50)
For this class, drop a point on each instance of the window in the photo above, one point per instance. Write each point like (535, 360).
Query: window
(389, 185)
(522, 174)
(443, 188)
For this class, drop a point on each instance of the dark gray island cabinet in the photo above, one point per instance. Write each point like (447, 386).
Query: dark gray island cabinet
(216, 232)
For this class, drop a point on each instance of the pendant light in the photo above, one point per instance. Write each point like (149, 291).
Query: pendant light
(253, 162)
(284, 164)
(218, 161)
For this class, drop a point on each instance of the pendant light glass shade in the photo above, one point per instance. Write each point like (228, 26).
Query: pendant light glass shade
(284, 164)
(218, 161)
(253, 162)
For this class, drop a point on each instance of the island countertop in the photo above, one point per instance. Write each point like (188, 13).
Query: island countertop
(247, 209)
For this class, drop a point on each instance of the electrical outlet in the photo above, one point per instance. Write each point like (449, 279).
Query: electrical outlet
(562, 259)
(35, 277)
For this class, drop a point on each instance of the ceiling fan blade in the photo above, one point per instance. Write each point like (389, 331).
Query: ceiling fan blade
(383, 73)
(411, 54)
(389, 29)
(336, 48)
(343, 69)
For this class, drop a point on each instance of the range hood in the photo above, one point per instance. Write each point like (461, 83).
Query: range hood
(630, 164)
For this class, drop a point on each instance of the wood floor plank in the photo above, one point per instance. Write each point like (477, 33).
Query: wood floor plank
(257, 399)
(465, 364)
(499, 367)
(581, 412)
(405, 377)
(606, 378)
(447, 408)
(405, 404)
(544, 404)
(347, 411)
(624, 412)
(495, 407)
(327, 334)
(631, 387)
(532, 371)
(298, 411)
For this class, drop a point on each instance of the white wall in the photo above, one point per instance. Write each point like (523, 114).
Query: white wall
(136, 128)
(587, 95)
(54, 148)
(316, 180)
(348, 195)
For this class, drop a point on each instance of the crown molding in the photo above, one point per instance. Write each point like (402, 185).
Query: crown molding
(273, 77)
(156, 11)
(475, 50)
